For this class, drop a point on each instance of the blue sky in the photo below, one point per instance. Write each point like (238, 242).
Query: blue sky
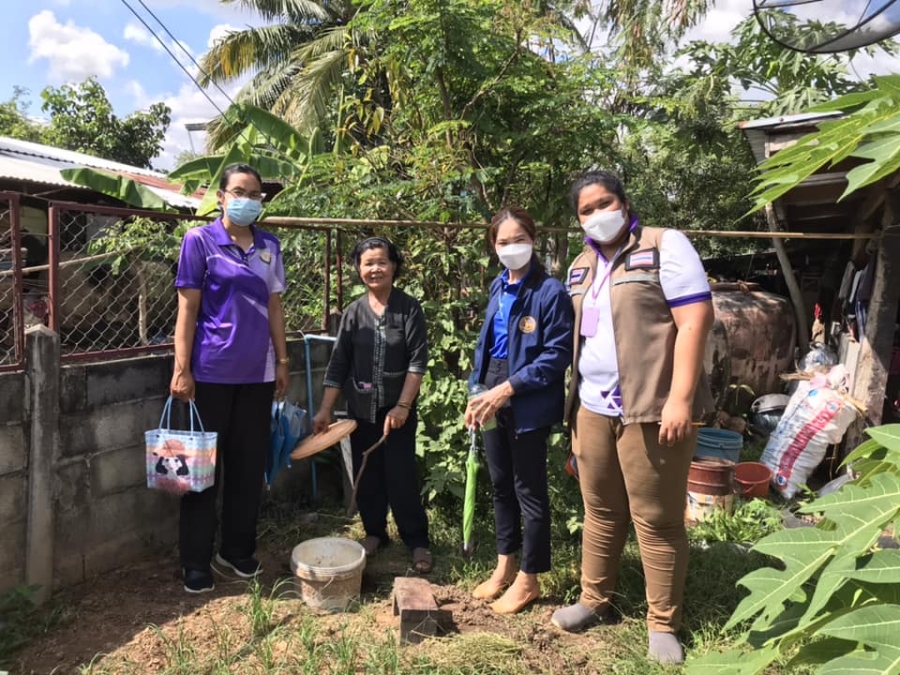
(51, 42)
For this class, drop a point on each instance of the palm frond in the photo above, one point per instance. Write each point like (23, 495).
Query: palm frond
(251, 50)
(293, 11)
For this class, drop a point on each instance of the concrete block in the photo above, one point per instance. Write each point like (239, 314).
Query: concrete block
(72, 487)
(117, 470)
(72, 389)
(108, 428)
(108, 533)
(129, 511)
(13, 499)
(12, 403)
(12, 556)
(13, 444)
(128, 380)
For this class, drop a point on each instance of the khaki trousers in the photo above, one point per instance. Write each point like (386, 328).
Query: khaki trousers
(627, 476)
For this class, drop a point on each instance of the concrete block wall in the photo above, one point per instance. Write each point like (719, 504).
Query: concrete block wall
(105, 517)
(13, 479)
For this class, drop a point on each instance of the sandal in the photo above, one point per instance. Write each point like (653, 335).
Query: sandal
(371, 544)
(422, 560)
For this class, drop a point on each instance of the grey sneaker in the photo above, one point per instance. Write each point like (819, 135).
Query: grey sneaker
(665, 648)
(575, 618)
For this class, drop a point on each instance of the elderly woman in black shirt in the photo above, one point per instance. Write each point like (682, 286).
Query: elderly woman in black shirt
(378, 362)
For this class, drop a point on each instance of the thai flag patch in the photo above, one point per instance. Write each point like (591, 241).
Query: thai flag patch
(577, 275)
(645, 259)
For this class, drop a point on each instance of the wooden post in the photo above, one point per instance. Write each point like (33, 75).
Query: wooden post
(877, 343)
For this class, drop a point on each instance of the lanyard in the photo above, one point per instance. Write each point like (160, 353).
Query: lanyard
(595, 292)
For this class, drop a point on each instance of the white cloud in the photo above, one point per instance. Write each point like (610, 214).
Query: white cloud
(140, 35)
(135, 32)
(231, 11)
(188, 105)
(73, 53)
(219, 32)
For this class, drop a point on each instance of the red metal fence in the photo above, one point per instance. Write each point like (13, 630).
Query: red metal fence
(102, 277)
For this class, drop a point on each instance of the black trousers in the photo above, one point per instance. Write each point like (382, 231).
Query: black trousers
(241, 415)
(391, 479)
(517, 464)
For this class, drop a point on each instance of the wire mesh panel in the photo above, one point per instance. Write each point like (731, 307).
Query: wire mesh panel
(115, 270)
(309, 256)
(11, 306)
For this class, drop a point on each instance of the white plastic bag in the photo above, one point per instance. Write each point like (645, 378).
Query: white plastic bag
(817, 415)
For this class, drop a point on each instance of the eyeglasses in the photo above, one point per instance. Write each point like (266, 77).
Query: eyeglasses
(240, 194)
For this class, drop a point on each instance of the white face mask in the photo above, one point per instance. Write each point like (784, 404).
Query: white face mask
(604, 226)
(515, 256)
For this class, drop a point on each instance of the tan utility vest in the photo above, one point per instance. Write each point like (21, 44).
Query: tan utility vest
(643, 328)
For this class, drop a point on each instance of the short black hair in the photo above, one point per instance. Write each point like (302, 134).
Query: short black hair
(232, 169)
(609, 180)
(393, 252)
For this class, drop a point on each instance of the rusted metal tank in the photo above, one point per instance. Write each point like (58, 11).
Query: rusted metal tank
(717, 362)
(761, 334)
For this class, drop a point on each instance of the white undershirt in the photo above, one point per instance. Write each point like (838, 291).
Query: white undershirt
(683, 282)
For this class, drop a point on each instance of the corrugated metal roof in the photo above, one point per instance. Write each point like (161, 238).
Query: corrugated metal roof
(775, 122)
(32, 162)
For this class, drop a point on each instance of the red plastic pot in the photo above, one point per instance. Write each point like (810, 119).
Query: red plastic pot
(752, 479)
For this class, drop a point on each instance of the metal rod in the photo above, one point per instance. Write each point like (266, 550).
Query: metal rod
(325, 223)
(53, 274)
(327, 303)
(65, 263)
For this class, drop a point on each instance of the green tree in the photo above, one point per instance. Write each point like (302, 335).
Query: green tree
(14, 120)
(82, 119)
(295, 59)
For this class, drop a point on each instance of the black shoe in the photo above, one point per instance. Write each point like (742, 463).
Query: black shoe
(245, 568)
(198, 581)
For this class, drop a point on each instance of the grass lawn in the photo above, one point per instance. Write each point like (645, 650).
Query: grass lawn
(139, 621)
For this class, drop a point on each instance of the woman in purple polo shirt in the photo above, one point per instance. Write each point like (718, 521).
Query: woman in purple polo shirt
(231, 359)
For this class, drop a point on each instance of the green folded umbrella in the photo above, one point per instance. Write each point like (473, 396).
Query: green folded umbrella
(472, 465)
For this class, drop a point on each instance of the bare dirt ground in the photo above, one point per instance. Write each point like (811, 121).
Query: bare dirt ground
(135, 619)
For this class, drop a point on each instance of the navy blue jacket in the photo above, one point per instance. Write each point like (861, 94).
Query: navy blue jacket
(540, 348)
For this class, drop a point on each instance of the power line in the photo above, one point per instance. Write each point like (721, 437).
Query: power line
(185, 50)
(174, 58)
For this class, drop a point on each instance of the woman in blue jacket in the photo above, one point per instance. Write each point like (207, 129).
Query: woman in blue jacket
(522, 354)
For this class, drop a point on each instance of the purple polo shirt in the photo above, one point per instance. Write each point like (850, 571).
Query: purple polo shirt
(232, 344)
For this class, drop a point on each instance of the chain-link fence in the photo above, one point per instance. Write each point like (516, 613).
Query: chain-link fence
(10, 295)
(111, 278)
(113, 275)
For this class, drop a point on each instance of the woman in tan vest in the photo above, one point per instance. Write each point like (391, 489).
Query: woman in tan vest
(642, 313)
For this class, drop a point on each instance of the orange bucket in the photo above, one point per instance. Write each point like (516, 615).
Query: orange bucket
(753, 479)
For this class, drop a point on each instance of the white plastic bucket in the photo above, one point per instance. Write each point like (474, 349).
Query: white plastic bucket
(328, 572)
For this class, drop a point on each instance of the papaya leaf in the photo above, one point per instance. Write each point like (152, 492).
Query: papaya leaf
(881, 567)
(865, 449)
(876, 627)
(804, 551)
(887, 435)
(733, 662)
(822, 651)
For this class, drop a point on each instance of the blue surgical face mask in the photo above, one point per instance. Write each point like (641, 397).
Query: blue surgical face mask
(243, 211)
